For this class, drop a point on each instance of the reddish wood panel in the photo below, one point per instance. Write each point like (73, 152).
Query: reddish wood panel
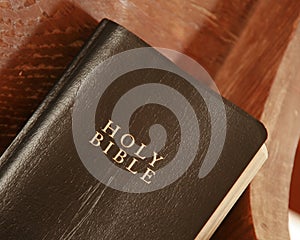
(270, 67)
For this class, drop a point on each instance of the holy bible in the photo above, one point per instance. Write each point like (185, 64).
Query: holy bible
(127, 146)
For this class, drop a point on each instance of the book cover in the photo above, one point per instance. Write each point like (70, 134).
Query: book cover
(127, 146)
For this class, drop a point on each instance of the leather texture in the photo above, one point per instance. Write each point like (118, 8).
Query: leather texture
(47, 193)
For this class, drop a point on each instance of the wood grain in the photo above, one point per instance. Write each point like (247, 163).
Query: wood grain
(258, 64)
(36, 43)
(242, 44)
(281, 117)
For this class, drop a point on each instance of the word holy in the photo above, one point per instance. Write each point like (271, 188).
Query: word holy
(127, 141)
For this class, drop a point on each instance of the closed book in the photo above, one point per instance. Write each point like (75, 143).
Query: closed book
(127, 146)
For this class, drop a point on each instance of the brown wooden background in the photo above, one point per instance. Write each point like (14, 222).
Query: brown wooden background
(250, 47)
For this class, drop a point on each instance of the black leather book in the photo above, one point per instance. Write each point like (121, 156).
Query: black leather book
(127, 146)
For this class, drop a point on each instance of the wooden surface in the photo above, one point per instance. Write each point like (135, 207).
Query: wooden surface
(262, 76)
(248, 46)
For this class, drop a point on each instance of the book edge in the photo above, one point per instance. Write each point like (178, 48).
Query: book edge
(233, 194)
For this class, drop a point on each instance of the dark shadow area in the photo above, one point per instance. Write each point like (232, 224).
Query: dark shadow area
(295, 190)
